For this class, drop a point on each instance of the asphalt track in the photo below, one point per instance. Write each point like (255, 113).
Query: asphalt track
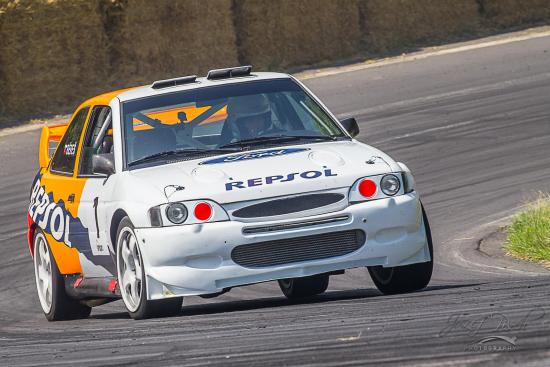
(475, 129)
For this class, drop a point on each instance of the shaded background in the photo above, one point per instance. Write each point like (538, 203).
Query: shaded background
(56, 53)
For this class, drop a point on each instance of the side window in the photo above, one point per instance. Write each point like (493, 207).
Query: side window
(64, 159)
(98, 139)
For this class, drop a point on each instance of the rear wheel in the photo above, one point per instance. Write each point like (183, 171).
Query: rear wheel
(294, 288)
(55, 302)
(132, 281)
(408, 278)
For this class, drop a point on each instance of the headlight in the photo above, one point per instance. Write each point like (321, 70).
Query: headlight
(176, 213)
(187, 213)
(389, 184)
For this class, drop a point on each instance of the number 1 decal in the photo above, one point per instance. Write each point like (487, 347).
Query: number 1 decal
(96, 202)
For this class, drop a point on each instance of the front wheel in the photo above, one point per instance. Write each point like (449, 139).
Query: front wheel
(408, 278)
(132, 281)
(294, 288)
(55, 302)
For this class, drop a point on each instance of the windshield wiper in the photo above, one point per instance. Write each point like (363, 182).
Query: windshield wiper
(315, 137)
(171, 153)
(278, 138)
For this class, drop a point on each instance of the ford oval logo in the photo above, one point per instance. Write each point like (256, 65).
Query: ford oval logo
(254, 155)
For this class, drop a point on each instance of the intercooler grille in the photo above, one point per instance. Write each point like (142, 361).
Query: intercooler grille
(305, 248)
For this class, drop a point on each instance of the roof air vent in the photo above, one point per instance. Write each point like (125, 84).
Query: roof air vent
(160, 84)
(229, 72)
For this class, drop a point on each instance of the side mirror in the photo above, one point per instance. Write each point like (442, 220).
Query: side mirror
(351, 126)
(103, 164)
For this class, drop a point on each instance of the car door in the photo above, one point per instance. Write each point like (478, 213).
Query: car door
(97, 139)
(55, 199)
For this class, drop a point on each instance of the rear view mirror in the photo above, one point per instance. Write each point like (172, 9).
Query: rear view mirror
(103, 164)
(350, 124)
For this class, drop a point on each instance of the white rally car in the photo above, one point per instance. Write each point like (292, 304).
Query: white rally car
(193, 186)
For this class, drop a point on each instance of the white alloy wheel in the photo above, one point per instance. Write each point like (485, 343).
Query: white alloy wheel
(130, 273)
(43, 272)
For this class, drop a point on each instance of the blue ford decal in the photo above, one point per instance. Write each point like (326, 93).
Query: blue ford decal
(254, 155)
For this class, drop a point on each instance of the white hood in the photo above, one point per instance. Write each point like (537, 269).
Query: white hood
(269, 172)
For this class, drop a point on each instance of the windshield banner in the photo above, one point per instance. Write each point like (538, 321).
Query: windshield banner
(254, 155)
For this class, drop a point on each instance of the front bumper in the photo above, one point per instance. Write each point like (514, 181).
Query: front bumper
(196, 259)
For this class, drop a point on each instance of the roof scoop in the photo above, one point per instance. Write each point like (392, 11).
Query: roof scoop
(160, 84)
(229, 72)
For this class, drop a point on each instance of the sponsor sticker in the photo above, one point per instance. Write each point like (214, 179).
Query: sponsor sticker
(268, 180)
(69, 149)
(54, 218)
(51, 216)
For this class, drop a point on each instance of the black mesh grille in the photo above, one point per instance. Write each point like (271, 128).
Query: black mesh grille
(288, 205)
(290, 250)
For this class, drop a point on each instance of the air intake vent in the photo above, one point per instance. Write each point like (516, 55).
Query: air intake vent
(291, 250)
(229, 72)
(160, 84)
(294, 225)
(288, 205)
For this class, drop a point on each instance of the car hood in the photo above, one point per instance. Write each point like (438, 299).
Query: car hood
(269, 172)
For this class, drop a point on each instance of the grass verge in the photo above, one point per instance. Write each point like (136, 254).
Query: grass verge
(529, 233)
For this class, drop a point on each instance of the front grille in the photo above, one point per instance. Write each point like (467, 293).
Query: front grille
(288, 205)
(305, 248)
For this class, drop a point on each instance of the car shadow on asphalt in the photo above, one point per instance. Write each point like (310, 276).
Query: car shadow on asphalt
(280, 301)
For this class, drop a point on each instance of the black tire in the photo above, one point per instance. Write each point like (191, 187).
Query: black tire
(408, 278)
(63, 307)
(295, 288)
(146, 308)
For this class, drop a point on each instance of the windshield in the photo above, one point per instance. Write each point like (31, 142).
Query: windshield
(223, 119)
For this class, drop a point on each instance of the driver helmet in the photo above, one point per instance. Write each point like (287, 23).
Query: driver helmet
(250, 114)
